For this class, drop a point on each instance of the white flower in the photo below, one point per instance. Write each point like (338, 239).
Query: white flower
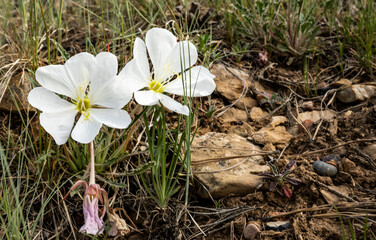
(93, 91)
(169, 59)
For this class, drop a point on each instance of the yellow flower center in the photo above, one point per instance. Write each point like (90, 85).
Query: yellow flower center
(83, 106)
(156, 86)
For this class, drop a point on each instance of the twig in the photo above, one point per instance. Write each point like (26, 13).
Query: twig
(334, 191)
(326, 207)
(330, 148)
(202, 161)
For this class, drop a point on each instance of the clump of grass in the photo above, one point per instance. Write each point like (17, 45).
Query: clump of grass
(288, 28)
(359, 33)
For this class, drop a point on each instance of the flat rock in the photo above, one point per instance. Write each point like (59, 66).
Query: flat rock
(233, 115)
(357, 92)
(316, 116)
(277, 120)
(220, 177)
(331, 198)
(341, 82)
(246, 103)
(243, 130)
(257, 113)
(272, 133)
(230, 81)
(278, 225)
(19, 88)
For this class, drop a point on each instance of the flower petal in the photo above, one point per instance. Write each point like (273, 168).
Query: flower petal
(183, 56)
(105, 69)
(55, 78)
(93, 223)
(201, 83)
(160, 43)
(139, 52)
(147, 98)
(47, 101)
(114, 118)
(136, 73)
(58, 124)
(174, 105)
(86, 130)
(131, 77)
(115, 94)
(80, 69)
(66, 79)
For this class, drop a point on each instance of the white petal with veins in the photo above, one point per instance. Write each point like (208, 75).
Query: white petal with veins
(58, 124)
(47, 101)
(147, 98)
(198, 79)
(174, 105)
(104, 70)
(86, 129)
(159, 43)
(115, 118)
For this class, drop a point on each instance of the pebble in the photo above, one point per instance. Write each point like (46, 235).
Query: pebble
(324, 169)
(278, 226)
(251, 231)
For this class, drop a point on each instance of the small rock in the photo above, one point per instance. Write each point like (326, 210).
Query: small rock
(307, 106)
(234, 115)
(334, 198)
(277, 136)
(257, 113)
(277, 226)
(348, 113)
(340, 83)
(243, 130)
(19, 90)
(217, 179)
(251, 231)
(371, 151)
(316, 116)
(246, 103)
(229, 81)
(277, 120)
(324, 169)
(269, 147)
(357, 92)
(348, 165)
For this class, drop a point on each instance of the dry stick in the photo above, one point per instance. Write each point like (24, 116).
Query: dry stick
(334, 191)
(202, 161)
(327, 207)
(68, 216)
(330, 148)
(344, 215)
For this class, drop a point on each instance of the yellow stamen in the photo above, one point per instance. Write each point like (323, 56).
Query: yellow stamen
(83, 106)
(156, 86)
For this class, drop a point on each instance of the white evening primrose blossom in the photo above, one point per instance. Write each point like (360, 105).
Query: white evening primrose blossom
(91, 89)
(172, 71)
